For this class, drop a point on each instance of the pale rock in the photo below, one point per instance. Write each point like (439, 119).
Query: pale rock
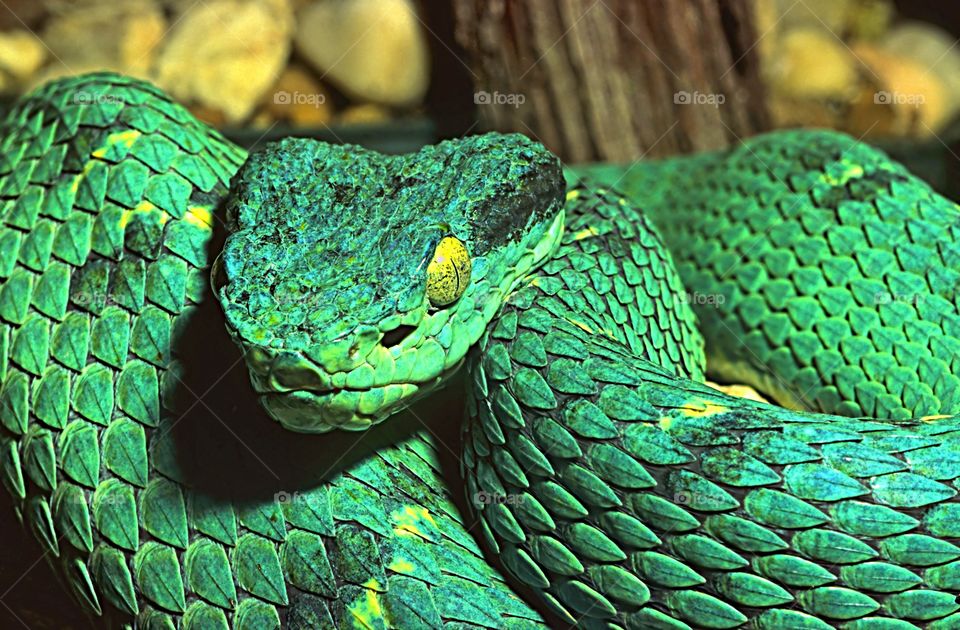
(839, 18)
(870, 19)
(123, 37)
(298, 98)
(373, 50)
(810, 63)
(934, 49)
(830, 15)
(766, 21)
(813, 78)
(364, 114)
(225, 54)
(919, 100)
(787, 111)
(21, 54)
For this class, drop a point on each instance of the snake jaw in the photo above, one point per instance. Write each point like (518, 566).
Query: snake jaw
(347, 409)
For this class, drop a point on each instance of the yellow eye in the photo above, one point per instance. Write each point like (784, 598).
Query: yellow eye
(448, 274)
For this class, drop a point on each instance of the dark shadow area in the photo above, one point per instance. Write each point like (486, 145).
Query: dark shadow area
(449, 99)
(226, 445)
(29, 591)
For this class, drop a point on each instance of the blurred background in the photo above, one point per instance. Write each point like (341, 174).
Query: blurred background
(613, 80)
(579, 74)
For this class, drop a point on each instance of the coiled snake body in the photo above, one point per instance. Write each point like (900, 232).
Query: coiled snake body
(614, 487)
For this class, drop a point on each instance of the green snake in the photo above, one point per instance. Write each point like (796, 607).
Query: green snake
(606, 485)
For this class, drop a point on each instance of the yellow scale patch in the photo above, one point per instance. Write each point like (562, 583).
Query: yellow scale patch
(367, 609)
(408, 521)
(739, 391)
(399, 565)
(853, 171)
(79, 176)
(144, 207)
(199, 216)
(580, 325)
(708, 409)
(586, 232)
(127, 138)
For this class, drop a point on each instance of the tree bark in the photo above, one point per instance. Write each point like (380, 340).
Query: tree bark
(615, 80)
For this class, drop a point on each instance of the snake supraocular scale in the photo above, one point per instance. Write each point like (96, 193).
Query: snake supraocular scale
(605, 476)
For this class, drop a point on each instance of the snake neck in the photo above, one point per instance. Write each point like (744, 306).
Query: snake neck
(612, 277)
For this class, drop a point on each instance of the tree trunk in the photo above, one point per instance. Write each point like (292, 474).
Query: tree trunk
(615, 80)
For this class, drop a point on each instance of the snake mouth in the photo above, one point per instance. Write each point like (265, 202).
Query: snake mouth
(346, 408)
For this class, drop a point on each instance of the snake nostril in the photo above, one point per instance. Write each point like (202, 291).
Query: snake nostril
(396, 336)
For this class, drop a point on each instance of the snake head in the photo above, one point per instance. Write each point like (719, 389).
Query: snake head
(356, 282)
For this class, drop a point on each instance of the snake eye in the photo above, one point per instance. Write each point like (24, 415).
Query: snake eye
(448, 273)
